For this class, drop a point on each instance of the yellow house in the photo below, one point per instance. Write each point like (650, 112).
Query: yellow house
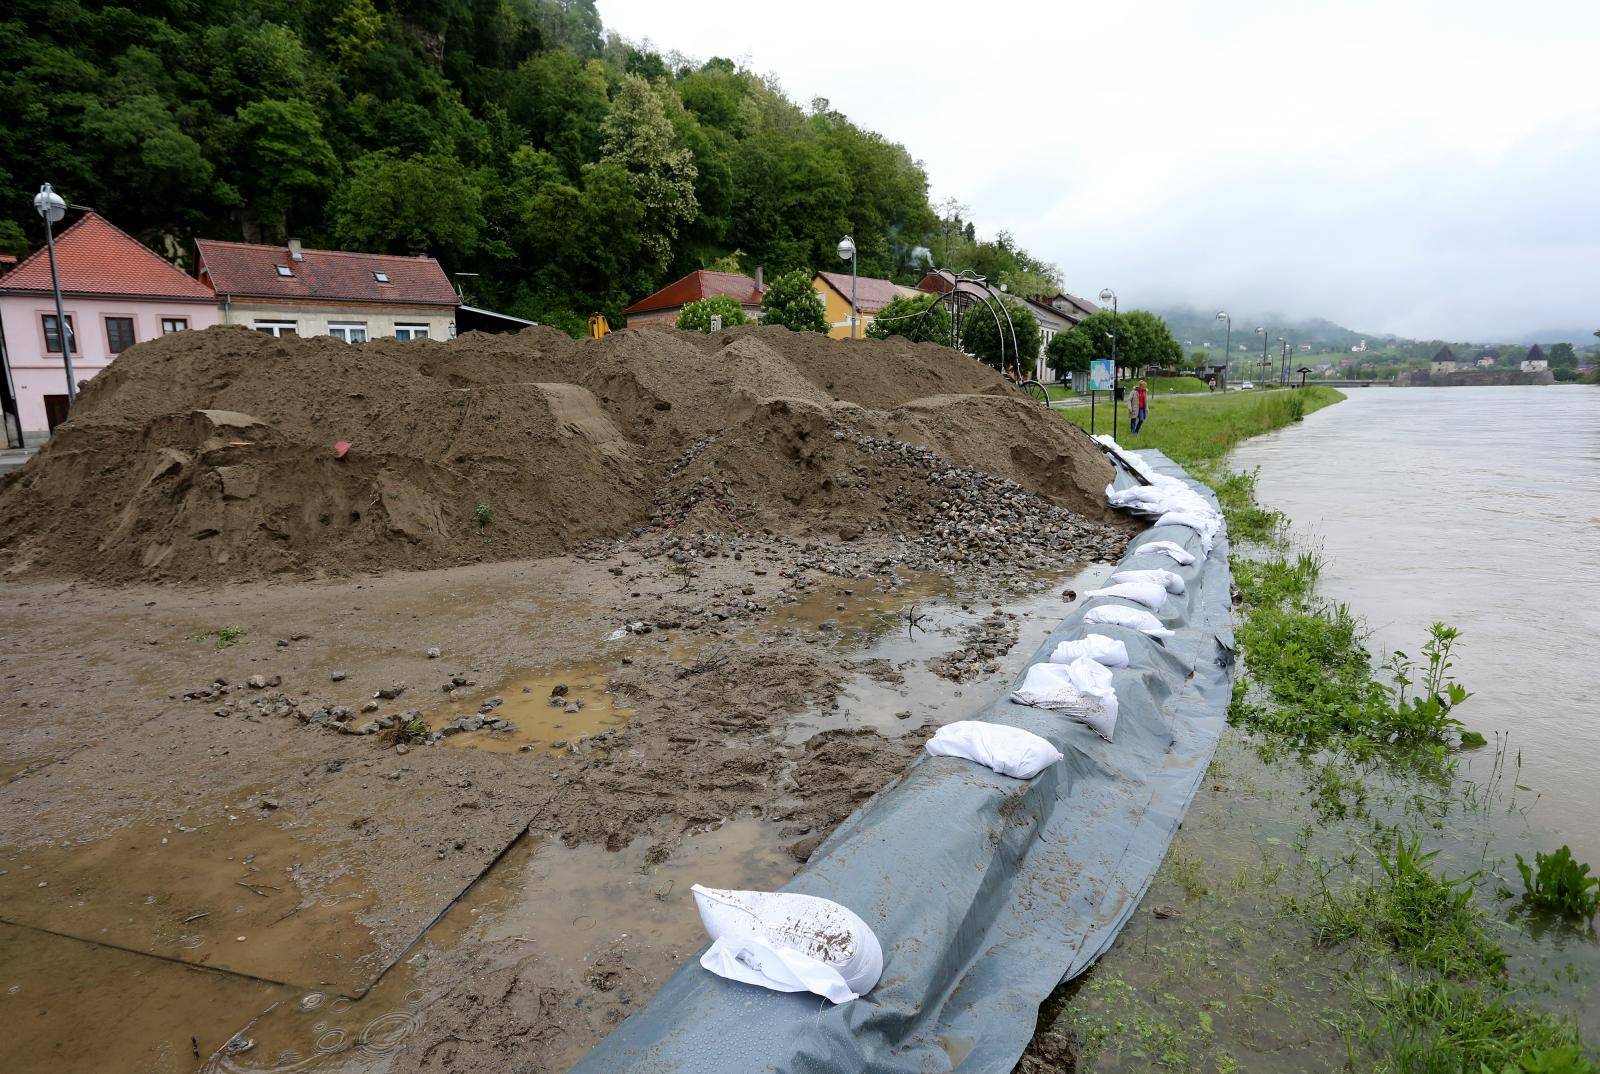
(871, 296)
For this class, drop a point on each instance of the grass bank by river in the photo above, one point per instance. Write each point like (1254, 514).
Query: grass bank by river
(1205, 430)
(1339, 898)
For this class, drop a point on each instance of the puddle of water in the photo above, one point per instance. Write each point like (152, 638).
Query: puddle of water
(526, 703)
(551, 911)
(858, 610)
(222, 895)
(874, 700)
(72, 1007)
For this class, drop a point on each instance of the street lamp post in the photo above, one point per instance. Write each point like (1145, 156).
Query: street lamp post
(50, 205)
(1227, 348)
(1283, 373)
(847, 252)
(1108, 295)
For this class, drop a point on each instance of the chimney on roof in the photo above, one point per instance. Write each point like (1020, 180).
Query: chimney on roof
(759, 271)
(294, 250)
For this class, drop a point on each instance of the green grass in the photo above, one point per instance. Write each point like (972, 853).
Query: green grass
(224, 637)
(1205, 430)
(1172, 385)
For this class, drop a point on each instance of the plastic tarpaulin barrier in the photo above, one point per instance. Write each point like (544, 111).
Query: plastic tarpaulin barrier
(986, 892)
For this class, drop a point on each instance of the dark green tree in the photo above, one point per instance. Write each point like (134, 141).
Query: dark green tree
(1068, 352)
(912, 319)
(792, 302)
(1563, 356)
(1143, 339)
(419, 205)
(982, 338)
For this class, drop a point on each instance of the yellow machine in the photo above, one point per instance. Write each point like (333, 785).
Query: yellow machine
(598, 325)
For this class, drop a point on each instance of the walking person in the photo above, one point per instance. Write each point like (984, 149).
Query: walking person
(1138, 407)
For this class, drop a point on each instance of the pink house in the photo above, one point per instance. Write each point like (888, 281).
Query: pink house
(115, 291)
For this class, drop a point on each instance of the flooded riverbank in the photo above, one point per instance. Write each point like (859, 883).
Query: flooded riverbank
(1478, 507)
(1337, 899)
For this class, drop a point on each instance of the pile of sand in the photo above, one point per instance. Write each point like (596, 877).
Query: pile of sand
(209, 456)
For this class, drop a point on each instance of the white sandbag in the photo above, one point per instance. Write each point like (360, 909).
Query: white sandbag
(1011, 751)
(1172, 549)
(1206, 525)
(1149, 498)
(1149, 594)
(1097, 647)
(1132, 618)
(1163, 578)
(1081, 690)
(788, 942)
(1133, 459)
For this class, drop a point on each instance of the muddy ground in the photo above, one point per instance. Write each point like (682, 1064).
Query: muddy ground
(189, 787)
(374, 706)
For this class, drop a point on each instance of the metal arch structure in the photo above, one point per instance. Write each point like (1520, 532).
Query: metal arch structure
(991, 301)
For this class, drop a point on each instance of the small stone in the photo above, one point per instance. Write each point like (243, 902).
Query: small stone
(257, 682)
(1165, 911)
(370, 706)
(402, 749)
(389, 693)
(559, 744)
(269, 803)
(337, 676)
(571, 706)
(434, 653)
(559, 690)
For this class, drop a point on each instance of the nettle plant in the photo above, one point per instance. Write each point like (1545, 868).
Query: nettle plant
(1426, 715)
(1560, 883)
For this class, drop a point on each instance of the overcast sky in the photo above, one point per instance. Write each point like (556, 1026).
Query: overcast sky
(1424, 168)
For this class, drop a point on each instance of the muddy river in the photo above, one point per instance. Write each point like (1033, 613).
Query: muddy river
(1478, 507)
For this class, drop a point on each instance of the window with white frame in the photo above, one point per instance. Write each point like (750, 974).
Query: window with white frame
(349, 331)
(277, 328)
(410, 331)
(170, 325)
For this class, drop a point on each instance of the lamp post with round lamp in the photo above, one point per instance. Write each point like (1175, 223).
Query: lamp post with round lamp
(50, 205)
(1227, 348)
(1108, 295)
(847, 252)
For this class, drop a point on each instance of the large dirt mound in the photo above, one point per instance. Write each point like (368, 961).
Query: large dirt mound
(208, 456)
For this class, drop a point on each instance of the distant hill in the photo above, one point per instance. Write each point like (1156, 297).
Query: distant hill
(1195, 328)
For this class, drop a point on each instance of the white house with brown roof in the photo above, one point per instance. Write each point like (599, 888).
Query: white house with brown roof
(288, 290)
(115, 292)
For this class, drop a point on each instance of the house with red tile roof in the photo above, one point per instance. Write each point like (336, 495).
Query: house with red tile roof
(663, 306)
(871, 296)
(289, 290)
(115, 292)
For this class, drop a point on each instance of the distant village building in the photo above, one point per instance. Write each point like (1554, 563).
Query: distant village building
(1359, 348)
(291, 291)
(1485, 361)
(663, 306)
(115, 292)
(1535, 361)
(872, 295)
(1443, 362)
(1466, 364)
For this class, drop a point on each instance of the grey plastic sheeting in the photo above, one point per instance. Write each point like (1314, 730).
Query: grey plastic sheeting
(985, 891)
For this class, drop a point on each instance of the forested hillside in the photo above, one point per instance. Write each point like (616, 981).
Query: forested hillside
(511, 138)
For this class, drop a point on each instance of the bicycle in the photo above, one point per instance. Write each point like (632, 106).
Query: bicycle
(1030, 387)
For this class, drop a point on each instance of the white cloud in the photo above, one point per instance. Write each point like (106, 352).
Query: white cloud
(1429, 168)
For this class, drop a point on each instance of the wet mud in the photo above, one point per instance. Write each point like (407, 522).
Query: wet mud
(230, 886)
